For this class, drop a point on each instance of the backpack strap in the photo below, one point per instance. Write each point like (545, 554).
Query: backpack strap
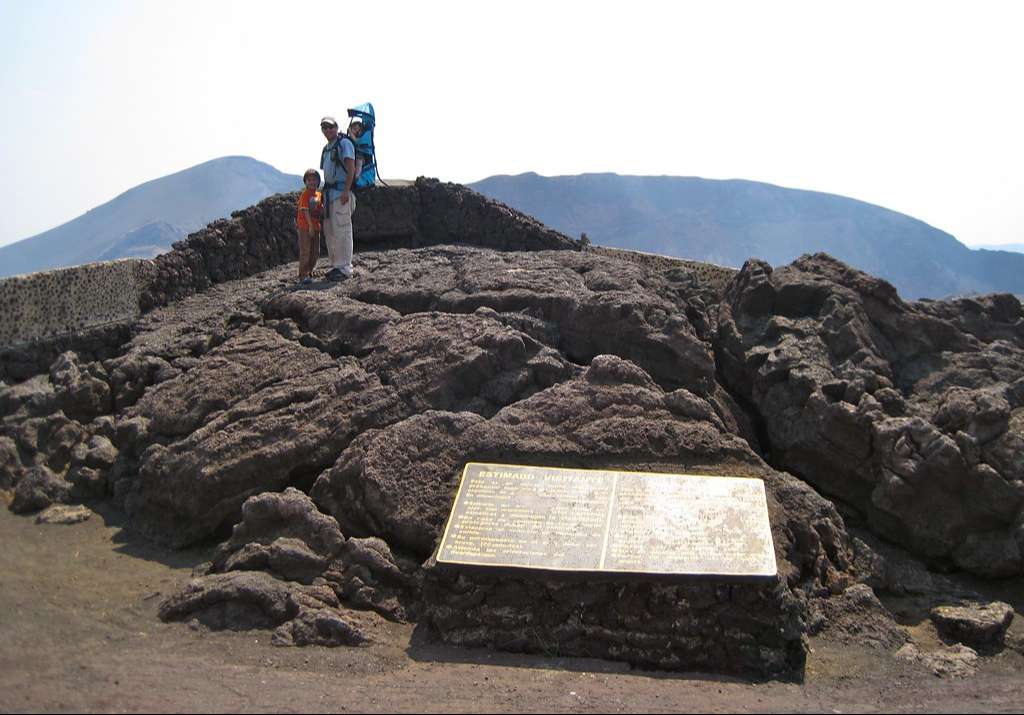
(330, 186)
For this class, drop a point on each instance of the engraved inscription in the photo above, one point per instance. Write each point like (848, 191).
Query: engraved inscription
(693, 525)
(595, 520)
(510, 517)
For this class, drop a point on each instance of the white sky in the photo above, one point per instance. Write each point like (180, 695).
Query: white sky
(916, 106)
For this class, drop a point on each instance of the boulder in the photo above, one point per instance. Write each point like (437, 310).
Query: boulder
(38, 489)
(368, 576)
(285, 536)
(10, 462)
(323, 627)
(981, 626)
(82, 390)
(64, 515)
(857, 616)
(261, 600)
(952, 662)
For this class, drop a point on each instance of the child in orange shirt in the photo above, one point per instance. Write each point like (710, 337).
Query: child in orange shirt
(309, 226)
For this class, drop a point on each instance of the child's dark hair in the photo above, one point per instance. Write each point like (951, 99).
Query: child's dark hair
(309, 173)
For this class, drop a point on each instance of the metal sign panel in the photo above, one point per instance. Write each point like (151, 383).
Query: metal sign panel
(601, 521)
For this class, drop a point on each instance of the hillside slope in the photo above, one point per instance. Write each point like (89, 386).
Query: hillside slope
(147, 219)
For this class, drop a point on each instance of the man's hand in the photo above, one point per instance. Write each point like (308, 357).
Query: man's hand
(344, 197)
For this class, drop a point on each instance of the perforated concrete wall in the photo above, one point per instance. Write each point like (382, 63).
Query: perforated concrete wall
(69, 300)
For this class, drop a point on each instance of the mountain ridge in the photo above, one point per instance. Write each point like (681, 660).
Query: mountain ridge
(727, 221)
(145, 219)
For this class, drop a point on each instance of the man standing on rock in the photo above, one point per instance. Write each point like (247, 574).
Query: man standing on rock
(337, 161)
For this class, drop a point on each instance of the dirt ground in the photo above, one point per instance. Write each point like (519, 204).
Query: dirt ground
(79, 632)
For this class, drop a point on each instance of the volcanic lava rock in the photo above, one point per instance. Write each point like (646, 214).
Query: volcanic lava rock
(957, 661)
(245, 600)
(368, 576)
(912, 413)
(285, 536)
(37, 489)
(82, 391)
(64, 515)
(398, 483)
(462, 362)
(980, 626)
(753, 629)
(341, 325)
(373, 393)
(857, 616)
(258, 413)
(596, 305)
(10, 462)
(323, 627)
(42, 450)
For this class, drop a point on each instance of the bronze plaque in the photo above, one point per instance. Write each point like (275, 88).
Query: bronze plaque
(601, 521)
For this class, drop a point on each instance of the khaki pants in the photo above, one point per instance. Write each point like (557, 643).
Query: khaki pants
(309, 251)
(338, 233)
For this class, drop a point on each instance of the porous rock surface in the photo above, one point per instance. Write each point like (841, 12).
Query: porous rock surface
(328, 426)
(286, 566)
(913, 413)
(950, 662)
(980, 626)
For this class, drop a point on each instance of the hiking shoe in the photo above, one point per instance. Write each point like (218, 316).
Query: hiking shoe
(334, 274)
(305, 281)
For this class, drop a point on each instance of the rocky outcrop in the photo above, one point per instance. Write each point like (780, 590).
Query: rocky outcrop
(399, 482)
(329, 426)
(301, 615)
(24, 360)
(259, 413)
(582, 304)
(912, 413)
(289, 567)
(857, 616)
(263, 236)
(47, 457)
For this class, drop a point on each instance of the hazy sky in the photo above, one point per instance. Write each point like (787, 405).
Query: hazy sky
(916, 106)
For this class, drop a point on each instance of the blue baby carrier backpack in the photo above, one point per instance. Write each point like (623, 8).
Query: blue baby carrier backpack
(364, 145)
